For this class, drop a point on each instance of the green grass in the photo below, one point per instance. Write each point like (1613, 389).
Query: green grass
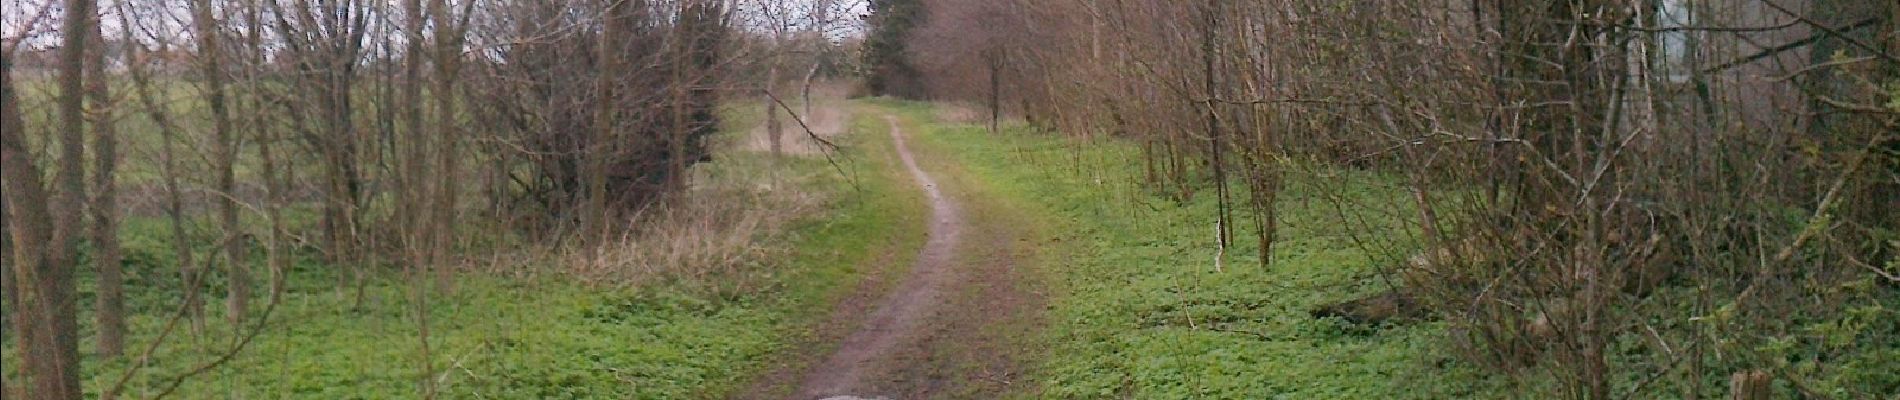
(512, 337)
(1137, 311)
(140, 139)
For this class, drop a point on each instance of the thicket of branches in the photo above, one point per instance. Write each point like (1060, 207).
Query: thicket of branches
(1616, 197)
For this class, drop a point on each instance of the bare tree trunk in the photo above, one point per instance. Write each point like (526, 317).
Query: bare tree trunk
(273, 210)
(681, 125)
(448, 64)
(211, 64)
(820, 19)
(419, 190)
(774, 129)
(9, 296)
(996, 90)
(1223, 229)
(412, 203)
(110, 299)
(188, 269)
(324, 46)
(811, 74)
(50, 228)
(24, 225)
(599, 150)
(266, 137)
(59, 311)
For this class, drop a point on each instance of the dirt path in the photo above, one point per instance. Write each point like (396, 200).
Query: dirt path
(949, 326)
(897, 316)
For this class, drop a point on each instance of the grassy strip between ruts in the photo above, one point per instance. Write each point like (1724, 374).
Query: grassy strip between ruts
(1137, 311)
(511, 337)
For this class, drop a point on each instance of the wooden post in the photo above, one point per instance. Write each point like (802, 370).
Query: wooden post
(1751, 385)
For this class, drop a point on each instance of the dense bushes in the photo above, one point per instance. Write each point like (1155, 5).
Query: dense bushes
(639, 103)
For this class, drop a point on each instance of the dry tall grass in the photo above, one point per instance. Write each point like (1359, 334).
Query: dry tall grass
(733, 221)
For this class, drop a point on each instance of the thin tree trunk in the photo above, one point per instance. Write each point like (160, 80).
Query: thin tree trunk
(25, 222)
(996, 90)
(1215, 148)
(774, 129)
(9, 296)
(599, 149)
(110, 301)
(811, 74)
(211, 64)
(51, 227)
(412, 202)
(273, 210)
(420, 189)
(682, 125)
(266, 137)
(448, 64)
(174, 201)
(821, 18)
(30, 227)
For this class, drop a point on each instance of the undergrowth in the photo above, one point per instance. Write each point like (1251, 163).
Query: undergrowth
(1138, 311)
(512, 335)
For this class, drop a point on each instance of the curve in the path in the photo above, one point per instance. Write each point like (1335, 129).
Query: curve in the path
(898, 316)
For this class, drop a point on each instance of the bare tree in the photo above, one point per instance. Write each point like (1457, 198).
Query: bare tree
(47, 226)
(211, 63)
(324, 44)
(170, 170)
(110, 299)
(451, 36)
(27, 222)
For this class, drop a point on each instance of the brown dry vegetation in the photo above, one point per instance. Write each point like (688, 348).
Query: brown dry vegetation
(738, 215)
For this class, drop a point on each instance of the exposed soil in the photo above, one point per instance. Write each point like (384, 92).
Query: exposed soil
(950, 327)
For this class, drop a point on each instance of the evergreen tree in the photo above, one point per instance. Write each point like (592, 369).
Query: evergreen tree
(887, 63)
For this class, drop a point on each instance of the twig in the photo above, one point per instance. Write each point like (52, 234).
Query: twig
(1771, 51)
(1814, 225)
(171, 324)
(1857, 262)
(828, 147)
(26, 29)
(1837, 33)
(236, 348)
(1674, 360)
